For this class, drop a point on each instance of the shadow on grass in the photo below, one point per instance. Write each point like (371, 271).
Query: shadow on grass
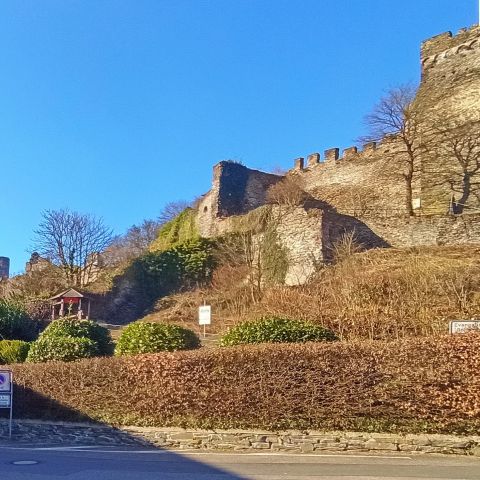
(63, 438)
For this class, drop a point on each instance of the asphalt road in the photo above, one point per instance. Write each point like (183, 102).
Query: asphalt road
(95, 463)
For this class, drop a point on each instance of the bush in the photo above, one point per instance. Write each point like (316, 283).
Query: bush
(156, 274)
(276, 330)
(15, 324)
(286, 192)
(420, 385)
(148, 337)
(64, 349)
(13, 351)
(81, 329)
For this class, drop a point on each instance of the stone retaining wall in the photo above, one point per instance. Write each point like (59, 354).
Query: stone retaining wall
(236, 440)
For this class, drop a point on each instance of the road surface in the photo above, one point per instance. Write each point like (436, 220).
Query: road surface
(113, 463)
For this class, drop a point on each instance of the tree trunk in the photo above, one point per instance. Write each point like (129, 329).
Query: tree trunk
(408, 194)
(466, 188)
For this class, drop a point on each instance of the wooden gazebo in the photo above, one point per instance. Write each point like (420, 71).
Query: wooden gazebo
(70, 302)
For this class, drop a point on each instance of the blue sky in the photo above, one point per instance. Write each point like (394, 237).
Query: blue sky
(118, 107)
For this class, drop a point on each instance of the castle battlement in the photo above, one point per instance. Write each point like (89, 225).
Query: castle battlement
(446, 45)
(332, 155)
(362, 189)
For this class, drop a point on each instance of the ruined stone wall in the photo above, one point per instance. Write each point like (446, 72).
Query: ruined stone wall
(364, 190)
(236, 190)
(299, 232)
(427, 230)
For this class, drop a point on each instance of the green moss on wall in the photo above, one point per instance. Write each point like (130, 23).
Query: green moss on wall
(268, 253)
(181, 229)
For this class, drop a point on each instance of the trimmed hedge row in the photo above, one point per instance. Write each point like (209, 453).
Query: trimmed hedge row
(420, 385)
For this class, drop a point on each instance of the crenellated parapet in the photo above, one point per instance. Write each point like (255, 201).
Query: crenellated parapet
(439, 48)
(332, 155)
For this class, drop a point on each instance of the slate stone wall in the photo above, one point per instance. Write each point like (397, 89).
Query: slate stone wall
(29, 431)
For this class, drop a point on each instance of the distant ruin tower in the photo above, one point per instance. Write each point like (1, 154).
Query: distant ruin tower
(4, 267)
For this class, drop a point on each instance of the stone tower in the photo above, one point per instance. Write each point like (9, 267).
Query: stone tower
(4, 267)
(449, 100)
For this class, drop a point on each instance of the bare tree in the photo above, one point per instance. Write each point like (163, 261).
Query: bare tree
(138, 238)
(133, 243)
(286, 192)
(454, 148)
(172, 210)
(70, 240)
(396, 115)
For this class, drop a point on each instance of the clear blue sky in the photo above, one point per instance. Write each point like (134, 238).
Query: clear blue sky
(115, 107)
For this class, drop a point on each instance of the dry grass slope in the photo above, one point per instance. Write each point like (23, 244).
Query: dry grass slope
(379, 294)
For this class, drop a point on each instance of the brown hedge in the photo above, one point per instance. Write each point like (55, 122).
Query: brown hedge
(429, 384)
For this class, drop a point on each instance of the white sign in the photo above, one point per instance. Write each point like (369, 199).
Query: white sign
(6, 394)
(205, 315)
(5, 381)
(462, 326)
(416, 203)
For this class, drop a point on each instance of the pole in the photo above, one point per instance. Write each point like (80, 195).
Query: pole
(11, 406)
(204, 327)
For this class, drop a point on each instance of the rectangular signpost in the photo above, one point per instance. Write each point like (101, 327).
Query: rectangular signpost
(462, 326)
(6, 395)
(204, 316)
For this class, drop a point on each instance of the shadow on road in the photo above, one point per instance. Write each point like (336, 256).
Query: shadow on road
(61, 431)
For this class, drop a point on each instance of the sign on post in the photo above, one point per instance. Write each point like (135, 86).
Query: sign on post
(204, 316)
(6, 395)
(463, 326)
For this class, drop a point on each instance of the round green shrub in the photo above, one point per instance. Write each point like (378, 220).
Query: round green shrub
(15, 324)
(276, 330)
(13, 351)
(81, 329)
(148, 337)
(65, 349)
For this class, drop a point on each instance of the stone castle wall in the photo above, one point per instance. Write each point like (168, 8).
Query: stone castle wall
(358, 181)
(426, 230)
(236, 190)
(363, 190)
(449, 98)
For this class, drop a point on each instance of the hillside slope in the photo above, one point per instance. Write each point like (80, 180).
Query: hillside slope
(378, 294)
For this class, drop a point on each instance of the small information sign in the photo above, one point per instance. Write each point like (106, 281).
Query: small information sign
(5, 381)
(6, 394)
(462, 326)
(205, 315)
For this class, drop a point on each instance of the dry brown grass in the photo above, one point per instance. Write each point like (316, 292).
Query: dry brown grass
(387, 293)
(379, 294)
(286, 192)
